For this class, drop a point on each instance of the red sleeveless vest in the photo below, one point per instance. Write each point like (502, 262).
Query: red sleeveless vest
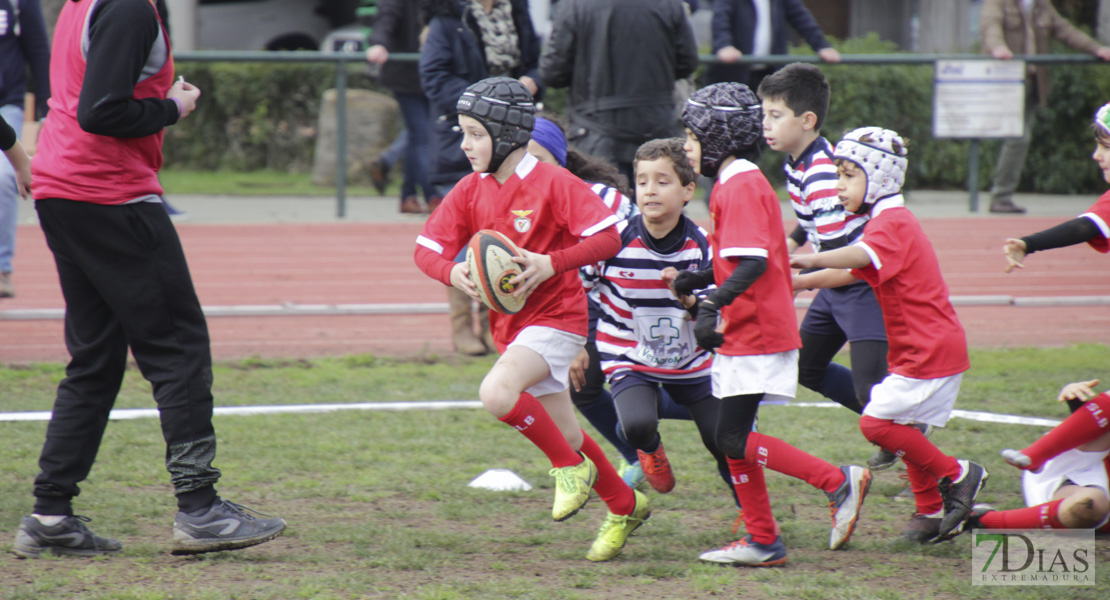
(74, 164)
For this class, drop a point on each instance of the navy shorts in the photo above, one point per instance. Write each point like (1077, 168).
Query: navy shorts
(851, 311)
(682, 391)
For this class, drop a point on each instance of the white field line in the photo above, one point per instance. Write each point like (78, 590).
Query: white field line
(292, 309)
(120, 414)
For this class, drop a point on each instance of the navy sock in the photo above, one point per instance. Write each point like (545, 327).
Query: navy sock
(603, 416)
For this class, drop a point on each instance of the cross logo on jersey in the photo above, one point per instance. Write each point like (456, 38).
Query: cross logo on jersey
(664, 330)
(522, 223)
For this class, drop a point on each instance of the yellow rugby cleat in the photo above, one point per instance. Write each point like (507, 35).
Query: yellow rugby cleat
(572, 488)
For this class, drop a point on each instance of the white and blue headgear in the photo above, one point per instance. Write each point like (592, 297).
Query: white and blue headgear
(505, 108)
(881, 154)
(1102, 119)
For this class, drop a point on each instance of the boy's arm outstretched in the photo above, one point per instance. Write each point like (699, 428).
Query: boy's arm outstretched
(1069, 233)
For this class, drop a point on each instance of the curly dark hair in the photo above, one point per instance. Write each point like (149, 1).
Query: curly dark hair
(668, 148)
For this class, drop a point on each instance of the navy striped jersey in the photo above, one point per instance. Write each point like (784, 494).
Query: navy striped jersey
(811, 183)
(642, 326)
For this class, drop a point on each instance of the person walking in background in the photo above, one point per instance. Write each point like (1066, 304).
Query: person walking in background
(619, 60)
(1028, 27)
(467, 41)
(758, 28)
(23, 42)
(397, 29)
(124, 278)
(17, 158)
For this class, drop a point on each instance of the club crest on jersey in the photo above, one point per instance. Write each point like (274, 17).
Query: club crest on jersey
(522, 222)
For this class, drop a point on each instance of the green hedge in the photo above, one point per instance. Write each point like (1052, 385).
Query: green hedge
(253, 115)
(264, 115)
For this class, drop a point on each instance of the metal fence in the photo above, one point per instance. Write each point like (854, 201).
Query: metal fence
(341, 60)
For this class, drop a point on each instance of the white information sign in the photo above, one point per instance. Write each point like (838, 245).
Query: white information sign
(979, 99)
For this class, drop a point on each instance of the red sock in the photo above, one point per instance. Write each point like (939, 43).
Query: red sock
(751, 489)
(780, 456)
(925, 493)
(609, 486)
(1041, 516)
(911, 445)
(1088, 423)
(530, 418)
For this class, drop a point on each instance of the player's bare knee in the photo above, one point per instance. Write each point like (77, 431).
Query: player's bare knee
(497, 397)
(1085, 509)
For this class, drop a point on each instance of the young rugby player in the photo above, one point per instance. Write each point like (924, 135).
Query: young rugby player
(757, 353)
(1092, 226)
(928, 348)
(546, 211)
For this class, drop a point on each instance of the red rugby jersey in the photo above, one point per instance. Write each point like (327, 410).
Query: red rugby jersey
(542, 208)
(746, 220)
(1100, 214)
(926, 338)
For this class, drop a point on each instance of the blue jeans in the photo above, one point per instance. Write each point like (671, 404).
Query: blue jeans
(416, 112)
(9, 192)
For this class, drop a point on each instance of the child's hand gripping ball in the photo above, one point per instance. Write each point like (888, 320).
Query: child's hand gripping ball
(489, 257)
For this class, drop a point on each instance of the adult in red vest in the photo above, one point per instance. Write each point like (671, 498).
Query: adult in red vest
(124, 277)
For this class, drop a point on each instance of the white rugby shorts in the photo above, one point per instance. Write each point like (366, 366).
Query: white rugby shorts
(557, 348)
(905, 400)
(1082, 468)
(767, 374)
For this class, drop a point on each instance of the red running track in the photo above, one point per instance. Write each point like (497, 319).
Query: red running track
(358, 263)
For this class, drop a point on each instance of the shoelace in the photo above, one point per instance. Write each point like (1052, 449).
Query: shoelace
(241, 510)
(738, 522)
(737, 544)
(565, 479)
(655, 464)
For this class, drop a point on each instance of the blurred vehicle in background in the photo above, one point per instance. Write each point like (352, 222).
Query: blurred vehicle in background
(270, 24)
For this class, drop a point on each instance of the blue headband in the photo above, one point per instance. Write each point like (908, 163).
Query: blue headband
(548, 135)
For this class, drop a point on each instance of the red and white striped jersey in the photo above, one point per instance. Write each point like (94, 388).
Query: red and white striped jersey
(642, 327)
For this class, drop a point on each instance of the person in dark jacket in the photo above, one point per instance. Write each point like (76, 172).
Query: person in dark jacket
(397, 29)
(743, 27)
(23, 42)
(466, 42)
(620, 59)
(457, 53)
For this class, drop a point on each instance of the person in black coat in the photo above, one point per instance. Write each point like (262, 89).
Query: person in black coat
(455, 55)
(739, 30)
(620, 60)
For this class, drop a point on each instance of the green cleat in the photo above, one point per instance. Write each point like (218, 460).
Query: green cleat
(572, 488)
(616, 529)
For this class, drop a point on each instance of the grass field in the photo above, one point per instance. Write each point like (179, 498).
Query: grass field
(378, 507)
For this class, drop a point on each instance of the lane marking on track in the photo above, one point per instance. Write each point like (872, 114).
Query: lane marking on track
(121, 414)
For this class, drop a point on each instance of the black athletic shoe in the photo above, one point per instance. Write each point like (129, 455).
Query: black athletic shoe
(224, 526)
(921, 528)
(977, 513)
(959, 497)
(68, 538)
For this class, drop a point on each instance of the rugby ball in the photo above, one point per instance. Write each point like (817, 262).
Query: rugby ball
(489, 257)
